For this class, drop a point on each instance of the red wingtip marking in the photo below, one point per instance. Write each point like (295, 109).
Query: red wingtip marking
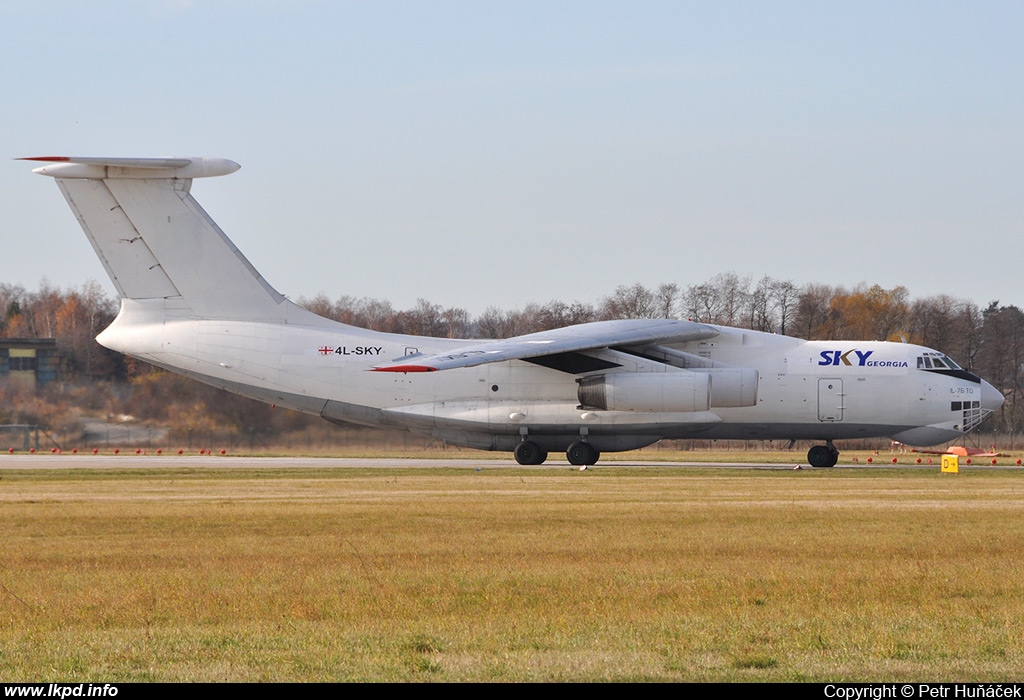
(405, 368)
(50, 159)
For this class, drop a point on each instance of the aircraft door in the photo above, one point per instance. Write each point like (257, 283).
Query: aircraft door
(831, 400)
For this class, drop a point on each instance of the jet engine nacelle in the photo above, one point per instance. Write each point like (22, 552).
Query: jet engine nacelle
(677, 392)
(672, 392)
(732, 387)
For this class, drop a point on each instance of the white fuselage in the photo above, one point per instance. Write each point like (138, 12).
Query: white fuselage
(804, 389)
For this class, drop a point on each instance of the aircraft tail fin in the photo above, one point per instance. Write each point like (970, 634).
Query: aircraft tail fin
(156, 242)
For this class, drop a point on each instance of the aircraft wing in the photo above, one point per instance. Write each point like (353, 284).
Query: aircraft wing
(586, 336)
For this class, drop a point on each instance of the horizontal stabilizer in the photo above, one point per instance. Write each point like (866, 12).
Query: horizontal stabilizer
(74, 167)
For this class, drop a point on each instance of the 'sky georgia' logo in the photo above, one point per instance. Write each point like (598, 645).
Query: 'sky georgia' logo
(848, 358)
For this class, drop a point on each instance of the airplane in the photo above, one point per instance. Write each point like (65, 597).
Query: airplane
(193, 304)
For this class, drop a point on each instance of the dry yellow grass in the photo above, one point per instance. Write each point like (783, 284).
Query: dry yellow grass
(509, 574)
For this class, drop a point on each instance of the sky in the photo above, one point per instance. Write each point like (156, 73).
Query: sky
(479, 154)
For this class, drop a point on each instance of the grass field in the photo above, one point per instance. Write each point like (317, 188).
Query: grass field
(511, 574)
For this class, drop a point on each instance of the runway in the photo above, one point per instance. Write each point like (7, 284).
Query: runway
(217, 461)
(150, 461)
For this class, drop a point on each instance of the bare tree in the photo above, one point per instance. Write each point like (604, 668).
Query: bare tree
(735, 294)
(636, 301)
(1000, 359)
(761, 306)
(702, 303)
(785, 297)
(813, 317)
(491, 323)
(667, 299)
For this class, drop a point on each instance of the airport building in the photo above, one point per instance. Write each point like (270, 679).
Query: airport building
(33, 361)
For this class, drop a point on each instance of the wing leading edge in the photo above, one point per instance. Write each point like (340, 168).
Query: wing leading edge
(586, 336)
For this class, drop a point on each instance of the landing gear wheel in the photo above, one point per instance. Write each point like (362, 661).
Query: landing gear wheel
(823, 456)
(528, 453)
(582, 454)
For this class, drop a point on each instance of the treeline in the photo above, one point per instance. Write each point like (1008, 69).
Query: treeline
(988, 341)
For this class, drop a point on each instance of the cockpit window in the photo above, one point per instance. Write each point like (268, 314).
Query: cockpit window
(935, 360)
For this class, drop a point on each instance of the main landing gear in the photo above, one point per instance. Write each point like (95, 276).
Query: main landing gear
(580, 454)
(529, 453)
(823, 455)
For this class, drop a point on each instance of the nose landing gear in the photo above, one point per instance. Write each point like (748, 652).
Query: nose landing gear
(823, 455)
